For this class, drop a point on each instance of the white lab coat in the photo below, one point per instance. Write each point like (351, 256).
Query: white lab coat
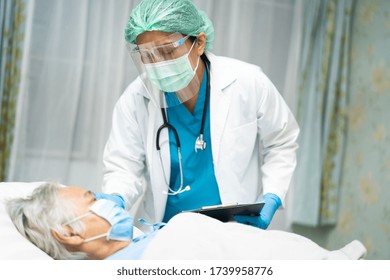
(253, 141)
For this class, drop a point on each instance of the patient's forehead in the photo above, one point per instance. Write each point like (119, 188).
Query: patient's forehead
(71, 191)
(80, 196)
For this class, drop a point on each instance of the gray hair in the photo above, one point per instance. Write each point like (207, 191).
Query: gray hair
(37, 215)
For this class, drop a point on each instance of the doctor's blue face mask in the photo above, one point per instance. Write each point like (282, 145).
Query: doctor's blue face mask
(120, 220)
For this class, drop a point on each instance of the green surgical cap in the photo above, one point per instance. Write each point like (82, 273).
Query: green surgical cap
(169, 16)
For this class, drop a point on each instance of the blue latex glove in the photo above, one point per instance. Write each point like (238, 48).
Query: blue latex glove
(272, 203)
(118, 199)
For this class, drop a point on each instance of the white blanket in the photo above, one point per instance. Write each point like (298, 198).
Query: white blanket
(195, 236)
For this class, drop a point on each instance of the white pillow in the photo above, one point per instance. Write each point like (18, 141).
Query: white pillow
(13, 246)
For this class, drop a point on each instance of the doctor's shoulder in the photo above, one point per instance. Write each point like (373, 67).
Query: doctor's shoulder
(133, 98)
(243, 71)
(134, 93)
(134, 88)
(248, 76)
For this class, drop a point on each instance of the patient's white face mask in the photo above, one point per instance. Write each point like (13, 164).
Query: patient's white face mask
(120, 220)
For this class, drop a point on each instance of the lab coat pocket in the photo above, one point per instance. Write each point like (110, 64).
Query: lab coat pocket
(238, 146)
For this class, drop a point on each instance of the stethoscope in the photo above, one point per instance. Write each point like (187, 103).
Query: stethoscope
(200, 143)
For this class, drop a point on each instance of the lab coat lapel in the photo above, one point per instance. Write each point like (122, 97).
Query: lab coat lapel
(221, 77)
(157, 170)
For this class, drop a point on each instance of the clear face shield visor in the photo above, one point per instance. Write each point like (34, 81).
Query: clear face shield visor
(167, 70)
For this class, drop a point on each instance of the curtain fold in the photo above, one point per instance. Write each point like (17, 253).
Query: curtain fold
(12, 18)
(77, 66)
(322, 109)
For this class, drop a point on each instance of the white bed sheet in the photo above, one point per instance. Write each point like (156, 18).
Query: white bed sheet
(186, 236)
(194, 236)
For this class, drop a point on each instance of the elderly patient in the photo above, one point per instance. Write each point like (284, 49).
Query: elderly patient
(70, 223)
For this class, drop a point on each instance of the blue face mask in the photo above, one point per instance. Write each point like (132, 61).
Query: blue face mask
(120, 220)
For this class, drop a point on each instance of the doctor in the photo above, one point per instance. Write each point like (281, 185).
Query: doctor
(195, 129)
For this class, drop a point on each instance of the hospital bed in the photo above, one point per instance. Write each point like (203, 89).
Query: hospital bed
(186, 236)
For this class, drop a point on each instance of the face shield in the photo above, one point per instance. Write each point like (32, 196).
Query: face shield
(166, 69)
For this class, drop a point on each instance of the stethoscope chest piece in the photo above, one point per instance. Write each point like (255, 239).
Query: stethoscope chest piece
(200, 144)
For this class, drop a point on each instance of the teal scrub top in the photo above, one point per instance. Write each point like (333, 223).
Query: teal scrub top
(198, 169)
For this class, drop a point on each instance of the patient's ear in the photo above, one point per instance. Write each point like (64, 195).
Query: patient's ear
(68, 238)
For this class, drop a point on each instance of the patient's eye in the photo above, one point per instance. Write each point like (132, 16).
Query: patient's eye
(90, 195)
(93, 196)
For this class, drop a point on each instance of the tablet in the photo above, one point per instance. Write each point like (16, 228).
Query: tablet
(226, 213)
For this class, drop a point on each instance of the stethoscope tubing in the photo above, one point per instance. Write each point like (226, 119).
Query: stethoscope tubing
(176, 135)
(166, 124)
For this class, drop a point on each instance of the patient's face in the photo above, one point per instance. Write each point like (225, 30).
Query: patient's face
(95, 225)
(83, 199)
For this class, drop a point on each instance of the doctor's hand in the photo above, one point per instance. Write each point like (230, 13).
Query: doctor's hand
(118, 199)
(272, 203)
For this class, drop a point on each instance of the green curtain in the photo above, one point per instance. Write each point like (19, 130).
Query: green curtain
(322, 109)
(12, 19)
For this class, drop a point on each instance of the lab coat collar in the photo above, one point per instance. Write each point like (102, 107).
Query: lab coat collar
(225, 74)
(222, 76)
